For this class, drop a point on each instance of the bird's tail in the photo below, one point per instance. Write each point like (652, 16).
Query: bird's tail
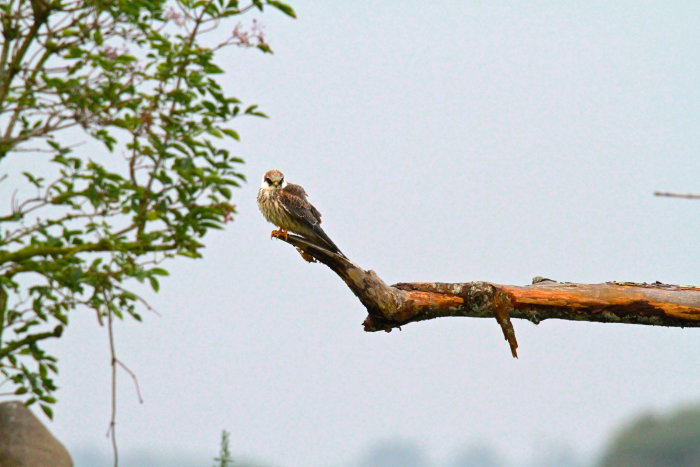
(326, 242)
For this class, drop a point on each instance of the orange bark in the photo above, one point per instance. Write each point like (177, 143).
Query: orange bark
(612, 302)
(668, 304)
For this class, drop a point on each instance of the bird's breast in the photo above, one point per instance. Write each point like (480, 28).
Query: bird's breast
(273, 209)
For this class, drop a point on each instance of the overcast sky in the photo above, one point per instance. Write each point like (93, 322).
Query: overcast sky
(442, 141)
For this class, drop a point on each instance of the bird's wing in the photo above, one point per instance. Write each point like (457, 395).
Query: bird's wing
(295, 202)
(298, 202)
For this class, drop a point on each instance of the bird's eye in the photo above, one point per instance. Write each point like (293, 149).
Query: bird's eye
(268, 181)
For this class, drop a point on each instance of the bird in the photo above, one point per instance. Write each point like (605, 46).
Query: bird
(285, 205)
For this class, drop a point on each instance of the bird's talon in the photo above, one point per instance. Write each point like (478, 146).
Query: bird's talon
(279, 234)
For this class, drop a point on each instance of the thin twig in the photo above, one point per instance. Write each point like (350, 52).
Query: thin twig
(133, 376)
(677, 195)
(111, 431)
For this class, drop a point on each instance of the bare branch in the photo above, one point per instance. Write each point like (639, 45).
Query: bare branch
(612, 302)
(677, 195)
(134, 378)
(111, 431)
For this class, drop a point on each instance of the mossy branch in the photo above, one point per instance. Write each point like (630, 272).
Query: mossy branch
(64, 251)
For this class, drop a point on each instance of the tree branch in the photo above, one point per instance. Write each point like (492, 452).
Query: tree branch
(47, 250)
(29, 340)
(611, 302)
(111, 431)
(677, 195)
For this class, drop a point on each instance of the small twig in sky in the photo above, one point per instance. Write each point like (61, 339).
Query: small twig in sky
(133, 376)
(677, 195)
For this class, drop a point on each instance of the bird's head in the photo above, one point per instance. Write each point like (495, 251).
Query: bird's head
(273, 179)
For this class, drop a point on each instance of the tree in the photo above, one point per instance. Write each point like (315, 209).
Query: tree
(672, 440)
(136, 79)
(393, 306)
(389, 453)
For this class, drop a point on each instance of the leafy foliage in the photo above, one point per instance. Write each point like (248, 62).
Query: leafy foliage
(138, 78)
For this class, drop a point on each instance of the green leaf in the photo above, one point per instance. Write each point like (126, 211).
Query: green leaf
(265, 48)
(212, 69)
(232, 133)
(225, 191)
(47, 410)
(253, 110)
(36, 181)
(189, 254)
(283, 7)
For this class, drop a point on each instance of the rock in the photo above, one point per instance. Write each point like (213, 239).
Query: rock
(25, 441)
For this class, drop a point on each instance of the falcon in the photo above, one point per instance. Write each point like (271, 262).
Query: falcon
(285, 205)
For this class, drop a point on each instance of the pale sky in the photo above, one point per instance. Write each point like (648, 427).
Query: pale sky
(442, 141)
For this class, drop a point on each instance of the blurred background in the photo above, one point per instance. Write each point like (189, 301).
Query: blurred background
(442, 141)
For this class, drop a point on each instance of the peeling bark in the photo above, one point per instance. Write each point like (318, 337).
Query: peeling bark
(393, 306)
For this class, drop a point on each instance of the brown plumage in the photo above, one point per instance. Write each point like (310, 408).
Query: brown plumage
(285, 205)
